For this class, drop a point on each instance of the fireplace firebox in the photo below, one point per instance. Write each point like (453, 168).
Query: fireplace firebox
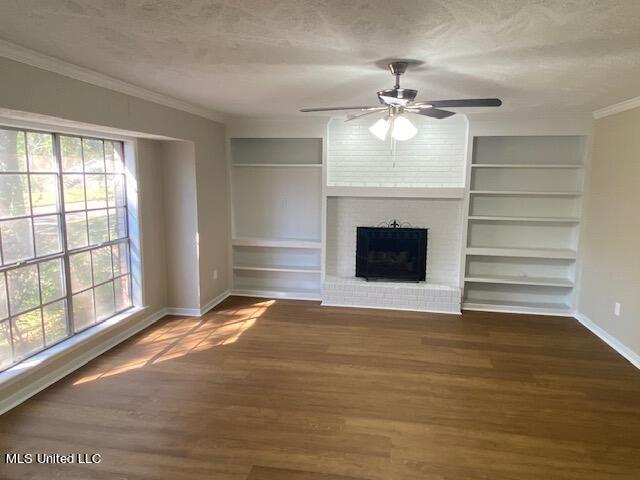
(398, 254)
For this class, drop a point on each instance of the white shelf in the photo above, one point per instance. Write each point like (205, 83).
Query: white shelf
(395, 192)
(287, 269)
(274, 242)
(564, 253)
(515, 280)
(525, 193)
(279, 165)
(517, 307)
(292, 294)
(526, 219)
(527, 165)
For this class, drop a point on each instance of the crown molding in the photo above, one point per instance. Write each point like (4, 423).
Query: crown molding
(39, 60)
(617, 108)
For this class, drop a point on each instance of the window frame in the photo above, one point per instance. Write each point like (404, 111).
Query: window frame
(65, 253)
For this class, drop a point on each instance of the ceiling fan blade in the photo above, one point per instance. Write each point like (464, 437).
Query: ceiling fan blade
(355, 116)
(467, 102)
(329, 109)
(430, 112)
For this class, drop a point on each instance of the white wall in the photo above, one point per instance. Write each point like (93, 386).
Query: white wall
(442, 217)
(433, 158)
(213, 214)
(179, 203)
(151, 195)
(610, 258)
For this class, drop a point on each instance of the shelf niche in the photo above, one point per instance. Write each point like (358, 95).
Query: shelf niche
(276, 151)
(276, 216)
(523, 223)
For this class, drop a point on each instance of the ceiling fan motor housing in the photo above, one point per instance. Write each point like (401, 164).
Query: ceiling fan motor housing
(397, 96)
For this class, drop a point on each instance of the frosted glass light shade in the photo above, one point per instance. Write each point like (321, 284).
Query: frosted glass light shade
(403, 129)
(380, 128)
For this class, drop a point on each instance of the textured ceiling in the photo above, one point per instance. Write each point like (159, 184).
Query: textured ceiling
(263, 57)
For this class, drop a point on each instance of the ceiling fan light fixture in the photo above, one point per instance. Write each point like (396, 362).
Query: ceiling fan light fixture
(380, 128)
(403, 129)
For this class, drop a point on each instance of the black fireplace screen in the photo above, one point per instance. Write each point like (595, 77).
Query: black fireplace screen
(391, 253)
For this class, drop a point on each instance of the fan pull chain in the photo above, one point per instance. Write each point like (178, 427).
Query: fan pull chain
(393, 152)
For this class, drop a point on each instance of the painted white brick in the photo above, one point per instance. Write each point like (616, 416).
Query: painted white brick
(441, 217)
(433, 158)
(357, 292)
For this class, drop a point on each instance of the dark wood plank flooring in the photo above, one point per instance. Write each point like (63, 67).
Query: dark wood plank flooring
(261, 390)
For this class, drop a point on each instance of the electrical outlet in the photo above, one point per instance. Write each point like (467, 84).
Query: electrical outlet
(616, 309)
(215, 274)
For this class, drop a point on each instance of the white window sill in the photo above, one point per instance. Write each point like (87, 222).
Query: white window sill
(44, 358)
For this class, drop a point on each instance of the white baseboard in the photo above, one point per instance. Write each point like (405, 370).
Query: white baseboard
(183, 312)
(275, 294)
(76, 362)
(198, 312)
(211, 304)
(609, 339)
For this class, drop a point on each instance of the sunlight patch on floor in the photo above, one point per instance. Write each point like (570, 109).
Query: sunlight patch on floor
(183, 336)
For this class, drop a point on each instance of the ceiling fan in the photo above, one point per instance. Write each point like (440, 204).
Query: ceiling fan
(397, 101)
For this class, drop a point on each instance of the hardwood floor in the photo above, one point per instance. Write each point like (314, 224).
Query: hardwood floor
(262, 390)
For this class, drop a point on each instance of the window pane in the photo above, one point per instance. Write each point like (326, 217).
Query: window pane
(83, 315)
(76, 224)
(44, 194)
(47, 234)
(115, 190)
(14, 195)
(5, 345)
(4, 311)
(113, 156)
(71, 152)
(73, 185)
(123, 294)
(101, 265)
(80, 265)
(17, 240)
(51, 280)
(98, 227)
(93, 155)
(40, 152)
(93, 196)
(105, 306)
(117, 223)
(96, 191)
(55, 322)
(120, 258)
(27, 333)
(12, 152)
(23, 288)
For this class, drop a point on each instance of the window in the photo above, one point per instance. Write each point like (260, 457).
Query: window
(64, 245)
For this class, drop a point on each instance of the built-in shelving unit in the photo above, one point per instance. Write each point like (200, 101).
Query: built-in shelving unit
(526, 165)
(276, 165)
(565, 253)
(276, 186)
(397, 192)
(525, 192)
(275, 242)
(525, 219)
(521, 280)
(514, 306)
(523, 223)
